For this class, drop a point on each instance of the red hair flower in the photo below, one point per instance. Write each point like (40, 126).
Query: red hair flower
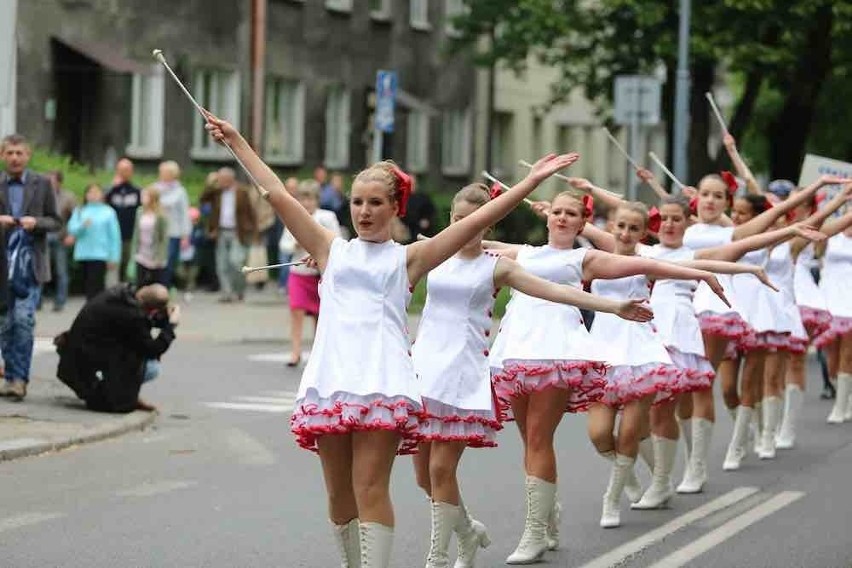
(588, 205)
(496, 190)
(403, 189)
(731, 182)
(693, 205)
(654, 220)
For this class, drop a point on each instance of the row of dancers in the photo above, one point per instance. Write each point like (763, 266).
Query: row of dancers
(367, 394)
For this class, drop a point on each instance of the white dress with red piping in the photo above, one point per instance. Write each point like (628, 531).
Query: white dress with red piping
(451, 353)
(809, 296)
(677, 324)
(834, 283)
(638, 363)
(780, 270)
(543, 344)
(360, 375)
(714, 316)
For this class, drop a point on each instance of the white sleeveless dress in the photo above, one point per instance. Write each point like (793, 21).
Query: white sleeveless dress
(543, 344)
(360, 375)
(780, 270)
(714, 316)
(770, 328)
(834, 283)
(451, 353)
(677, 324)
(638, 362)
(809, 296)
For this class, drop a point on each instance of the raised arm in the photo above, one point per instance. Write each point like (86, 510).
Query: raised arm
(599, 264)
(605, 197)
(423, 256)
(600, 238)
(734, 251)
(835, 226)
(510, 273)
(739, 164)
(768, 218)
(315, 238)
(648, 177)
(819, 217)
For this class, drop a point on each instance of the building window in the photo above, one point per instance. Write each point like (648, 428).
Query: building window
(285, 122)
(417, 141)
(219, 92)
(455, 143)
(146, 115)
(337, 128)
(380, 9)
(419, 16)
(339, 5)
(502, 149)
(452, 9)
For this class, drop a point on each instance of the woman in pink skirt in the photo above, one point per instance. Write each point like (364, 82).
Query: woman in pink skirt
(303, 283)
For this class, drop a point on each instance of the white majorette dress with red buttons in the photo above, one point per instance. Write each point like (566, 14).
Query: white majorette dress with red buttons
(360, 375)
(714, 316)
(780, 270)
(809, 297)
(834, 283)
(451, 353)
(677, 324)
(638, 363)
(543, 344)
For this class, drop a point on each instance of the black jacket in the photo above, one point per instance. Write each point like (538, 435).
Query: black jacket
(112, 335)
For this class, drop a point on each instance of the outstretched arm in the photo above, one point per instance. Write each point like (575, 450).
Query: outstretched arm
(600, 238)
(736, 250)
(835, 226)
(423, 256)
(819, 217)
(599, 264)
(510, 273)
(724, 267)
(610, 200)
(313, 237)
(768, 218)
(739, 164)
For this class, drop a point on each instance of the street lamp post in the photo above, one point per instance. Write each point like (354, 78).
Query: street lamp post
(681, 115)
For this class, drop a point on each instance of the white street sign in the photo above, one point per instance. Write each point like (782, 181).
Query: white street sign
(637, 100)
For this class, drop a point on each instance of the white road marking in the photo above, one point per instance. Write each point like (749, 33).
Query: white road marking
(249, 450)
(277, 357)
(714, 538)
(43, 345)
(157, 488)
(628, 549)
(275, 408)
(26, 520)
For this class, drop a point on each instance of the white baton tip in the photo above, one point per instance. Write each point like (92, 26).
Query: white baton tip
(245, 270)
(157, 53)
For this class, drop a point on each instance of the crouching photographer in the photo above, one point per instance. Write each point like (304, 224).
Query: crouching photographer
(112, 348)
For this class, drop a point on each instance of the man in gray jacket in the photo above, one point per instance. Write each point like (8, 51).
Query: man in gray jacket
(26, 204)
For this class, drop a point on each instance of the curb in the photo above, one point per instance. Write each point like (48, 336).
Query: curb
(137, 420)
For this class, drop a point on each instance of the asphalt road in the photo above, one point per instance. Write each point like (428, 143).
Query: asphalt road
(219, 482)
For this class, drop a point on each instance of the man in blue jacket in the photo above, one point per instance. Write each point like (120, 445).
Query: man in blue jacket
(26, 204)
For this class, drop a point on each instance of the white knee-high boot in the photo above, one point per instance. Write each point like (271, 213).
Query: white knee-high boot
(793, 398)
(444, 518)
(553, 524)
(632, 487)
(841, 400)
(610, 513)
(686, 435)
(471, 535)
(647, 452)
(696, 473)
(736, 448)
(540, 495)
(771, 418)
(348, 542)
(660, 491)
(376, 542)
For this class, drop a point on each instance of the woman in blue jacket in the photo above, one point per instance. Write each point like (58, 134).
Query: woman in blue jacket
(97, 239)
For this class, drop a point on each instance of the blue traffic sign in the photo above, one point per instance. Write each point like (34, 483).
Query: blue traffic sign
(386, 82)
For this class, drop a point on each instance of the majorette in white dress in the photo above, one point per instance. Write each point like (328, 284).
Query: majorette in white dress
(714, 316)
(676, 322)
(451, 353)
(809, 296)
(638, 363)
(360, 375)
(759, 304)
(780, 270)
(834, 283)
(542, 344)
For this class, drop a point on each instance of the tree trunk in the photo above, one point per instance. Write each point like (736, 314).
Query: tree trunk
(789, 130)
(700, 164)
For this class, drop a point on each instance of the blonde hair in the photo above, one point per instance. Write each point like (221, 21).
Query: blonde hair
(636, 207)
(172, 167)
(380, 172)
(475, 194)
(153, 200)
(574, 194)
(308, 188)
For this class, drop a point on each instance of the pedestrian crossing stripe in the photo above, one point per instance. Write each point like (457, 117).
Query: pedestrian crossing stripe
(276, 402)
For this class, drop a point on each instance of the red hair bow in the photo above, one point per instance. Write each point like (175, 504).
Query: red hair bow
(588, 205)
(693, 205)
(731, 182)
(496, 190)
(654, 220)
(403, 189)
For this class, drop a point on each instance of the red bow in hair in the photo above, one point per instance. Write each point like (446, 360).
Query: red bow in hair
(654, 220)
(693, 206)
(588, 205)
(403, 189)
(731, 182)
(496, 190)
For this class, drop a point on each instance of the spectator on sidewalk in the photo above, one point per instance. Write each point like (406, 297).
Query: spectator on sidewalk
(341, 203)
(27, 206)
(110, 350)
(150, 242)
(329, 199)
(291, 184)
(97, 239)
(57, 241)
(206, 248)
(420, 214)
(265, 218)
(303, 283)
(233, 224)
(175, 203)
(124, 198)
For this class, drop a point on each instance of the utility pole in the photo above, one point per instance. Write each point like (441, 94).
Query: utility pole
(681, 115)
(489, 111)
